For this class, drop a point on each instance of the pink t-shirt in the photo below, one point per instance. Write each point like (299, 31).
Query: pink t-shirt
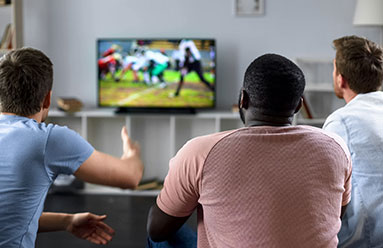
(261, 187)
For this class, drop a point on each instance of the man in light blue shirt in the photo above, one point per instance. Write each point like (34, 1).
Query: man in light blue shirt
(357, 76)
(33, 154)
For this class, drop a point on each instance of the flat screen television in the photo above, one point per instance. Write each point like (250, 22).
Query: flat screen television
(156, 74)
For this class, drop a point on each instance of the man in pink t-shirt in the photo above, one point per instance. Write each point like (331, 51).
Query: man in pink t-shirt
(269, 184)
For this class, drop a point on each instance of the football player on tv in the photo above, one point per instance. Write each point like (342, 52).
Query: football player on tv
(113, 49)
(191, 61)
(157, 63)
(109, 64)
(127, 65)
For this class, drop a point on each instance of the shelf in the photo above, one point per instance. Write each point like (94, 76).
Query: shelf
(102, 190)
(319, 92)
(85, 113)
(311, 60)
(111, 113)
(319, 87)
(318, 121)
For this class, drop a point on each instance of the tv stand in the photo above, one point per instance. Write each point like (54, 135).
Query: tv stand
(123, 110)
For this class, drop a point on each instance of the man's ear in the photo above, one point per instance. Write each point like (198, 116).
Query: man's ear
(47, 100)
(244, 102)
(343, 83)
(299, 105)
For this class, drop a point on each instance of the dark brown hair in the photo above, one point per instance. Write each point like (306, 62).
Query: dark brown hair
(26, 77)
(360, 62)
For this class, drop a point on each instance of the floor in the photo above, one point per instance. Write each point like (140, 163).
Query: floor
(126, 214)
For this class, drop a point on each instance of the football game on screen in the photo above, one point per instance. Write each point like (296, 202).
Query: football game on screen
(156, 73)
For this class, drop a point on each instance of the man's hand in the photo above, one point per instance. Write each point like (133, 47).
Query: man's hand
(90, 227)
(130, 148)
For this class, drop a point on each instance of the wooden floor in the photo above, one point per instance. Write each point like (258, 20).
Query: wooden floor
(126, 214)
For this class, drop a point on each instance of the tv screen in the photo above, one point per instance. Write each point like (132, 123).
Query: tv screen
(164, 74)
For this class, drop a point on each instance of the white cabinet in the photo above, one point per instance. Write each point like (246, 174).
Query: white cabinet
(12, 13)
(319, 93)
(159, 135)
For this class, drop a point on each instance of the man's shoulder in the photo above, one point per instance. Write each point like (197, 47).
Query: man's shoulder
(325, 137)
(62, 134)
(28, 128)
(338, 114)
(209, 139)
(60, 130)
(357, 106)
(200, 146)
(312, 130)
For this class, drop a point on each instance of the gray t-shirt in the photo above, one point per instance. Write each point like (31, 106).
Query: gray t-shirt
(32, 154)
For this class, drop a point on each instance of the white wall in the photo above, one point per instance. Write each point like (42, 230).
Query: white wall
(67, 32)
(5, 18)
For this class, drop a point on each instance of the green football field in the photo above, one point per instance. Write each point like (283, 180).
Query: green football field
(126, 93)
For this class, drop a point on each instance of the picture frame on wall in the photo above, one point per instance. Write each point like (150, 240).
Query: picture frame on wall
(249, 7)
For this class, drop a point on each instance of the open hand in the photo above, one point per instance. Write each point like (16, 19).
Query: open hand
(90, 227)
(130, 148)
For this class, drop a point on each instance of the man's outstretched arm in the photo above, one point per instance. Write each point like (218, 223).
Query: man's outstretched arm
(86, 226)
(162, 226)
(124, 172)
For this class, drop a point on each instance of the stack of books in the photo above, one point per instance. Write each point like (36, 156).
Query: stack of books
(5, 2)
(150, 184)
(69, 104)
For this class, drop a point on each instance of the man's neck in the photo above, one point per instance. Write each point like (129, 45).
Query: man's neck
(6, 113)
(253, 123)
(348, 95)
(38, 116)
(259, 119)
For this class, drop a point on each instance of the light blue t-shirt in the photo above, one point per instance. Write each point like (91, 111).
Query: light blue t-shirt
(32, 154)
(360, 124)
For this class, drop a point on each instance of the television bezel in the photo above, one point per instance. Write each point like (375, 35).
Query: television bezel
(149, 109)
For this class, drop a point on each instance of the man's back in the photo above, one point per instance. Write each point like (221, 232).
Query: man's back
(261, 187)
(32, 155)
(360, 124)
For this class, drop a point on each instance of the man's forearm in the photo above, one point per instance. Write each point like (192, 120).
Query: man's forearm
(50, 222)
(161, 226)
(101, 168)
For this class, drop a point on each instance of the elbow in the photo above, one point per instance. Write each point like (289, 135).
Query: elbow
(155, 236)
(160, 226)
(128, 185)
(155, 232)
(132, 181)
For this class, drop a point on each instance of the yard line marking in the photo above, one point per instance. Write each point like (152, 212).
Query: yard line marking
(135, 96)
